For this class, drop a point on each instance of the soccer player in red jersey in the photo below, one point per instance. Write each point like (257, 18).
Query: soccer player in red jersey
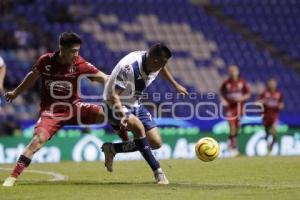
(272, 100)
(60, 103)
(234, 92)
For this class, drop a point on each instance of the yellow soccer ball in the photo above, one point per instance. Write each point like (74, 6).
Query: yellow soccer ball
(207, 149)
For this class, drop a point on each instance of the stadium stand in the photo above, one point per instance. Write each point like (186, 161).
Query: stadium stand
(202, 46)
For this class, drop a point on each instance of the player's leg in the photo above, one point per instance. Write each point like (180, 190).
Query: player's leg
(95, 114)
(267, 130)
(110, 149)
(154, 138)
(231, 116)
(233, 130)
(232, 143)
(234, 114)
(45, 128)
(122, 132)
(273, 132)
(141, 143)
(270, 129)
(156, 142)
(152, 132)
(152, 135)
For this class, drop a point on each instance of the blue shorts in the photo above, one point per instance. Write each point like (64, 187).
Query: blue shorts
(140, 112)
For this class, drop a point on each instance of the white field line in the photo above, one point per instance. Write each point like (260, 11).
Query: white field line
(55, 176)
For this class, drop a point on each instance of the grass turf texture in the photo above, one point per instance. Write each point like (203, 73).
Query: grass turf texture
(237, 178)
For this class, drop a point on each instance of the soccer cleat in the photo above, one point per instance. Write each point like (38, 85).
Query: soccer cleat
(233, 152)
(107, 149)
(160, 177)
(9, 182)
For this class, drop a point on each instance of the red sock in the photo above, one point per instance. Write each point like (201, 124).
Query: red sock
(22, 163)
(232, 141)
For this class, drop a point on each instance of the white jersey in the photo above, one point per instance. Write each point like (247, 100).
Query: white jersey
(129, 76)
(1, 62)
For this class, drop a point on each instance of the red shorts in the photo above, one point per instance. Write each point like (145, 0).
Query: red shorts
(80, 114)
(233, 115)
(270, 120)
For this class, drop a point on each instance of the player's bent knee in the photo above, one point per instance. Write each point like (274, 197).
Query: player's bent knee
(134, 122)
(154, 138)
(136, 126)
(155, 144)
(37, 142)
(42, 138)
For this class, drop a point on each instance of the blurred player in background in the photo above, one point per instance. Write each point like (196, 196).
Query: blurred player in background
(272, 100)
(130, 77)
(234, 93)
(2, 74)
(60, 103)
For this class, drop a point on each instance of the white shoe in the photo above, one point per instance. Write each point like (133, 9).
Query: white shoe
(109, 154)
(160, 177)
(233, 153)
(9, 182)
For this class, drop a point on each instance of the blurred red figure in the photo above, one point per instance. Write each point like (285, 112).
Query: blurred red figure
(272, 101)
(234, 92)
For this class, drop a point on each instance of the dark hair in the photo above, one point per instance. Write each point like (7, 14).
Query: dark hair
(67, 39)
(160, 50)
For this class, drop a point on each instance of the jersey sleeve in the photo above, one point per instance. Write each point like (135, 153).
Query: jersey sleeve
(40, 64)
(123, 77)
(88, 68)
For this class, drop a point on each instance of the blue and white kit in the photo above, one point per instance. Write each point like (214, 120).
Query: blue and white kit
(129, 76)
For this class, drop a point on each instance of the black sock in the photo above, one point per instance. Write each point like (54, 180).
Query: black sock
(25, 160)
(124, 147)
(145, 149)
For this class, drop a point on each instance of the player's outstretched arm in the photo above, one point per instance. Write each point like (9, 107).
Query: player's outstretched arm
(100, 77)
(165, 73)
(27, 82)
(2, 75)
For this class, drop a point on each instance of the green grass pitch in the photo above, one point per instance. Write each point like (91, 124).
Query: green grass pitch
(236, 178)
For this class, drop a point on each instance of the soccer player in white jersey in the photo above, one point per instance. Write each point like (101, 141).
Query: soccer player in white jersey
(135, 72)
(2, 73)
